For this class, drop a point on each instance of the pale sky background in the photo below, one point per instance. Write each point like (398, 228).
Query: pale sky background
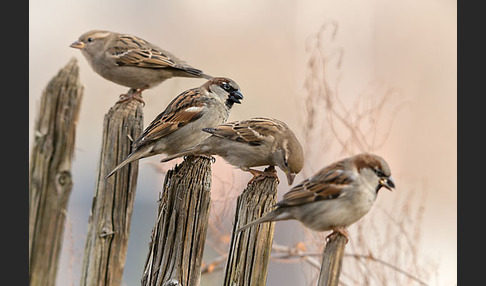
(409, 45)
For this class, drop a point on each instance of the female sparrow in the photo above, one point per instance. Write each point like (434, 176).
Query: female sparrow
(179, 126)
(250, 143)
(131, 61)
(336, 196)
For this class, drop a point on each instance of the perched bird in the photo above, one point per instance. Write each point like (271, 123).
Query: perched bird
(179, 126)
(131, 61)
(250, 143)
(336, 196)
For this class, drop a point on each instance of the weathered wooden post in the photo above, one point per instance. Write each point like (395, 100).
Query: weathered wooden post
(250, 249)
(50, 179)
(179, 234)
(332, 258)
(111, 210)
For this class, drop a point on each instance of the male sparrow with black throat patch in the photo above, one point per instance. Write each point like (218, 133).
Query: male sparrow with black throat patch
(336, 196)
(179, 126)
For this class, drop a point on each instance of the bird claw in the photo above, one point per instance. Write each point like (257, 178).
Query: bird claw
(211, 158)
(337, 231)
(269, 172)
(132, 94)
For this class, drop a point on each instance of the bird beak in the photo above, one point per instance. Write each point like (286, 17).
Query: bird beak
(236, 96)
(290, 177)
(388, 183)
(78, 45)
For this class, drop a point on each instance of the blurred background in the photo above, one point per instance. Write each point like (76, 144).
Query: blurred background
(390, 67)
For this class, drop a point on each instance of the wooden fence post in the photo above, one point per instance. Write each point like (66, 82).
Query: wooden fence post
(50, 180)
(179, 234)
(332, 258)
(250, 250)
(111, 210)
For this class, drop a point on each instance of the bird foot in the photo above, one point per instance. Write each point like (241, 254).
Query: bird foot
(269, 172)
(339, 230)
(132, 94)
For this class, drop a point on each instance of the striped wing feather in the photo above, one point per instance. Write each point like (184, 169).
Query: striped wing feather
(184, 109)
(252, 131)
(326, 184)
(133, 51)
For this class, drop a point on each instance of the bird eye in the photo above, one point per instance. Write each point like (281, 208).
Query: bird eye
(226, 86)
(379, 172)
(90, 39)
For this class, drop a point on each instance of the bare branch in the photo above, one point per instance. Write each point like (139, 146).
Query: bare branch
(374, 259)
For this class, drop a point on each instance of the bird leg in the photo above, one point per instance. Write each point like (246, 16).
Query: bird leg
(132, 94)
(341, 230)
(269, 172)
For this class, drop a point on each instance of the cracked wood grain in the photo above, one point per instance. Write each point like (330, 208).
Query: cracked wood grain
(250, 250)
(111, 211)
(50, 178)
(332, 258)
(178, 237)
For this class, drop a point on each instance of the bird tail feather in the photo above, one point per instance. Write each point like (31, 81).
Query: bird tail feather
(134, 156)
(174, 156)
(274, 215)
(196, 150)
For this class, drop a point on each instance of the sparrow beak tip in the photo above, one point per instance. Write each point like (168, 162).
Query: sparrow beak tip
(388, 183)
(77, 45)
(290, 178)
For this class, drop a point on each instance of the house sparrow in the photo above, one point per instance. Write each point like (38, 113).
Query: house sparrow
(251, 143)
(336, 196)
(179, 126)
(131, 61)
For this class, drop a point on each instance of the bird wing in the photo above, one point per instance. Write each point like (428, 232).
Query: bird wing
(133, 51)
(326, 184)
(184, 109)
(252, 132)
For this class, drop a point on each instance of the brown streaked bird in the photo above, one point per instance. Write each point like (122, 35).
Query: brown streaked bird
(180, 125)
(250, 143)
(335, 197)
(131, 61)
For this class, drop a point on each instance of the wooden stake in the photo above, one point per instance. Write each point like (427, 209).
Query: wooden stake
(179, 234)
(332, 258)
(111, 210)
(50, 179)
(250, 249)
